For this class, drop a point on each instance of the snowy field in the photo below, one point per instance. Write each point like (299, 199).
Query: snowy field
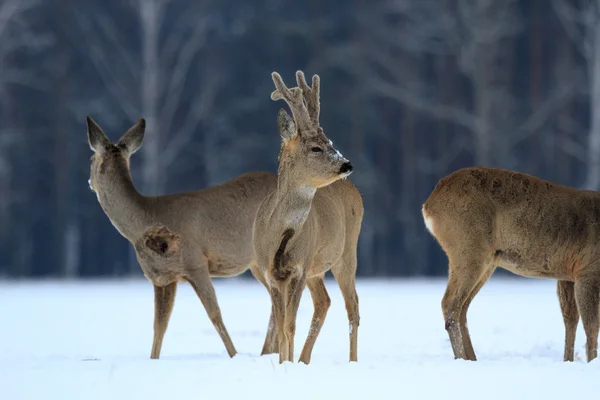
(92, 341)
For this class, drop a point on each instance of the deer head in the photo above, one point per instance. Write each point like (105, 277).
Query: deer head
(307, 156)
(108, 157)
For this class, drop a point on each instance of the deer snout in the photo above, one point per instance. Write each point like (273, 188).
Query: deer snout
(346, 168)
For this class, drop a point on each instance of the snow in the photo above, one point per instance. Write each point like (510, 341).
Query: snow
(92, 340)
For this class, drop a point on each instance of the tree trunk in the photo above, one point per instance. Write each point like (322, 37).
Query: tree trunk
(152, 169)
(593, 176)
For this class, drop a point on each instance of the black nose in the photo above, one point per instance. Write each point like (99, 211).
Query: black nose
(346, 167)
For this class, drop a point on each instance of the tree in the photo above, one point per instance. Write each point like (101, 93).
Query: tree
(18, 39)
(582, 24)
(478, 34)
(151, 78)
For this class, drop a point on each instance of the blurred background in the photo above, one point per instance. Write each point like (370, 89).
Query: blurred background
(411, 91)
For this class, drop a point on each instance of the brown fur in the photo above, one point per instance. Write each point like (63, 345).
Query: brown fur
(162, 241)
(309, 224)
(281, 266)
(187, 236)
(484, 217)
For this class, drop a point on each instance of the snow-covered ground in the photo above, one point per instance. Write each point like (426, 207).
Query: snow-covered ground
(92, 341)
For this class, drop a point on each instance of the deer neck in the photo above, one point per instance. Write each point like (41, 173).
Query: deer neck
(122, 203)
(293, 202)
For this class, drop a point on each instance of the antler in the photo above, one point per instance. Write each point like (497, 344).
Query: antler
(294, 99)
(311, 96)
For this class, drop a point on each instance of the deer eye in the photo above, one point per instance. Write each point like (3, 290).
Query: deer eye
(316, 150)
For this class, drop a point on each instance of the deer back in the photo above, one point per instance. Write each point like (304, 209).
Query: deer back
(518, 220)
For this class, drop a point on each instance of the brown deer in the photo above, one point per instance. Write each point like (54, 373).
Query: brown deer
(309, 224)
(180, 237)
(484, 217)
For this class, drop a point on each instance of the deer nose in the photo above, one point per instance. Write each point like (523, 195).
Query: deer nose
(346, 167)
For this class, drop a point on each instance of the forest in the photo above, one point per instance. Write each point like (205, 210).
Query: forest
(411, 91)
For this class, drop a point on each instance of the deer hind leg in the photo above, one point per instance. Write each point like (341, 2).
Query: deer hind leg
(271, 343)
(321, 302)
(587, 296)
(469, 351)
(199, 278)
(568, 306)
(164, 298)
(344, 274)
(463, 281)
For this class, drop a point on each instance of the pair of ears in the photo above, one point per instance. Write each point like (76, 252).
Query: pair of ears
(130, 142)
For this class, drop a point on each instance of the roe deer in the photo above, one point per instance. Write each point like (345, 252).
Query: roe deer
(484, 217)
(185, 236)
(309, 224)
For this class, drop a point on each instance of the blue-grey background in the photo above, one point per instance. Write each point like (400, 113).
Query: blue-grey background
(411, 90)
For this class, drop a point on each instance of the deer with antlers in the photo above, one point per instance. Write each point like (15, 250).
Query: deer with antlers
(485, 217)
(309, 224)
(187, 236)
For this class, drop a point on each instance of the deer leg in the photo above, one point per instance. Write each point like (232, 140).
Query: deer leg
(463, 279)
(587, 296)
(271, 343)
(469, 351)
(346, 281)
(321, 302)
(293, 296)
(568, 306)
(199, 278)
(164, 298)
(278, 309)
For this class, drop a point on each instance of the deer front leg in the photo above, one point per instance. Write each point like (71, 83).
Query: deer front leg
(164, 298)
(345, 273)
(321, 302)
(293, 296)
(278, 309)
(199, 278)
(568, 306)
(271, 345)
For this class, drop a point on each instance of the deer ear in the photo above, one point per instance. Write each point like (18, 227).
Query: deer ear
(286, 125)
(132, 140)
(96, 137)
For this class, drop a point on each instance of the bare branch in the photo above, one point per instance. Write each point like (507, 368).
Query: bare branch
(10, 8)
(105, 69)
(181, 69)
(573, 148)
(23, 78)
(440, 165)
(539, 117)
(198, 112)
(419, 103)
(110, 31)
(570, 18)
(423, 29)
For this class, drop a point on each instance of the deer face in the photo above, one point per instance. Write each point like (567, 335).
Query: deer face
(108, 156)
(309, 155)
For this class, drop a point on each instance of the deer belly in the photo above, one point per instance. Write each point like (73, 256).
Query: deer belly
(223, 268)
(531, 267)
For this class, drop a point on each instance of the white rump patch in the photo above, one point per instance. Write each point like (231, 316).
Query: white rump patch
(428, 221)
